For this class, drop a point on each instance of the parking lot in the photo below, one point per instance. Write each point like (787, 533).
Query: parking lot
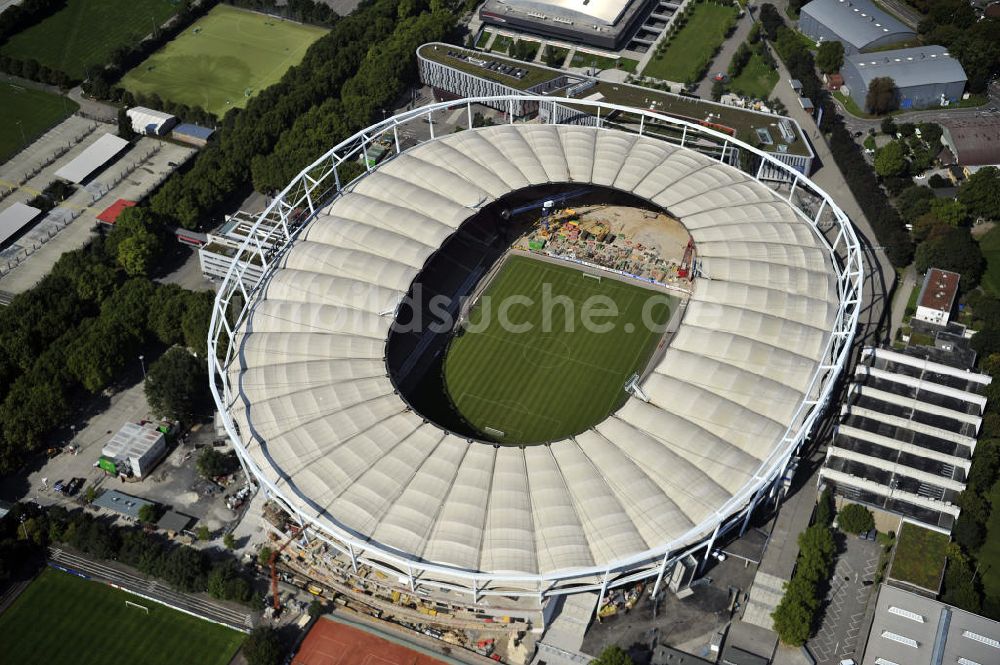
(850, 590)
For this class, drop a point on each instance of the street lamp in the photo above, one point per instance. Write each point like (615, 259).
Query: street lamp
(143, 366)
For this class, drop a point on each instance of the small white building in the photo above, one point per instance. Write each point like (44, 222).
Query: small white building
(150, 121)
(136, 449)
(937, 296)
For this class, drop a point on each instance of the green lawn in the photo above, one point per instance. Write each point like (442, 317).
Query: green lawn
(502, 44)
(545, 383)
(990, 246)
(85, 32)
(63, 619)
(584, 59)
(920, 556)
(483, 38)
(32, 110)
(223, 59)
(757, 79)
(691, 48)
(558, 56)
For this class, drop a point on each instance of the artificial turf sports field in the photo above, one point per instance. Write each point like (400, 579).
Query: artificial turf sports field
(87, 32)
(61, 618)
(35, 110)
(539, 385)
(223, 59)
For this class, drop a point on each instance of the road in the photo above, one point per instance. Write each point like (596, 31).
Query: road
(725, 54)
(879, 273)
(115, 574)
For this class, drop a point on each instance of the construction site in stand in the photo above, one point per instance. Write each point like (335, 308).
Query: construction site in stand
(299, 558)
(635, 242)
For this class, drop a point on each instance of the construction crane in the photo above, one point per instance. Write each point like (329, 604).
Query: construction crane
(273, 563)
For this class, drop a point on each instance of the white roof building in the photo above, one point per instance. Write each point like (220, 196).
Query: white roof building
(92, 159)
(328, 429)
(140, 446)
(149, 121)
(15, 218)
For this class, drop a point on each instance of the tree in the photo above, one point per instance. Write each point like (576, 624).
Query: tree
(264, 556)
(824, 508)
(229, 541)
(888, 126)
(147, 513)
(882, 97)
(792, 620)
(914, 201)
(771, 20)
(830, 57)
(553, 57)
(981, 193)
(212, 463)
(177, 385)
(613, 655)
(718, 89)
(855, 518)
(125, 130)
(315, 609)
(263, 647)
(949, 211)
(891, 160)
(204, 533)
(953, 250)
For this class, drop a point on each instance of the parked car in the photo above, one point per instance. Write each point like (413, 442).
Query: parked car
(59, 486)
(74, 486)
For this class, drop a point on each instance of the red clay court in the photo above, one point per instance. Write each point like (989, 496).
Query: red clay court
(333, 643)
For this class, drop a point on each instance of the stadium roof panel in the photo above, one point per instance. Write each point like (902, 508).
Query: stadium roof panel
(332, 433)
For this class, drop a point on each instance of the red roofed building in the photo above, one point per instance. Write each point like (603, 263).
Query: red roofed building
(937, 296)
(110, 214)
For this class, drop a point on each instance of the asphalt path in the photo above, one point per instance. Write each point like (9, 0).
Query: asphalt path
(153, 589)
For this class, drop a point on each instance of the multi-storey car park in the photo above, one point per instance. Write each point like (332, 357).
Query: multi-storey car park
(455, 72)
(310, 384)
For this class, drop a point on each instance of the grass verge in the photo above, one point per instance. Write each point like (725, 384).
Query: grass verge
(757, 79)
(691, 48)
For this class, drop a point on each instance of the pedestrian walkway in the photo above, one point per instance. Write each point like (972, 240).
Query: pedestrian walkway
(563, 637)
(725, 55)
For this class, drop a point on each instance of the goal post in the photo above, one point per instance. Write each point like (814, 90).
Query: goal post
(144, 608)
(591, 276)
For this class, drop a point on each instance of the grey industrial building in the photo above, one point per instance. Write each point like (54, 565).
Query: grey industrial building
(858, 24)
(910, 629)
(926, 76)
(604, 23)
(906, 436)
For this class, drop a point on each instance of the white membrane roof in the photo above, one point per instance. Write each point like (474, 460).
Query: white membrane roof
(331, 434)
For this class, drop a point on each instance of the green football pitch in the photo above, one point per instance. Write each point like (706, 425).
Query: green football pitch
(61, 618)
(223, 59)
(85, 32)
(530, 372)
(26, 114)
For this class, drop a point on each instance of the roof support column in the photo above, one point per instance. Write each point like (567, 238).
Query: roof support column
(430, 122)
(710, 544)
(395, 135)
(753, 503)
(600, 599)
(659, 575)
(475, 592)
(468, 114)
(684, 135)
(354, 558)
(409, 575)
(642, 123)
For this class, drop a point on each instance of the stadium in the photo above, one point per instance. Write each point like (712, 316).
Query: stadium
(339, 406)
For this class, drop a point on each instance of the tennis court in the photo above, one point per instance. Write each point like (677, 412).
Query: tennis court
(331, 642)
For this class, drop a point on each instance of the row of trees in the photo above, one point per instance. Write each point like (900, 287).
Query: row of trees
(184, 568)
(796, 613)
(973, 41)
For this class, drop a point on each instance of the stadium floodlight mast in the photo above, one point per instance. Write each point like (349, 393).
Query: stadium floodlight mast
(320, 183)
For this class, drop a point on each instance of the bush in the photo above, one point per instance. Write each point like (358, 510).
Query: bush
(855, 518)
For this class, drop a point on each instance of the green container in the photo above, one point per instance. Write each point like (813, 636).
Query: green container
(108, 465)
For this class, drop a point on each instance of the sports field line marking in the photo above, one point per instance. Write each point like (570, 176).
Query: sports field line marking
(508, 340)
(511, 406)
